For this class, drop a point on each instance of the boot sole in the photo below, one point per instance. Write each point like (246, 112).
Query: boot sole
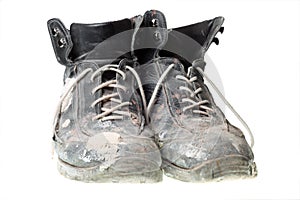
(229, 167)
(95, 174)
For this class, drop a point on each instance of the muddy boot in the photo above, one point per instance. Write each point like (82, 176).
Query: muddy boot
(99, 129)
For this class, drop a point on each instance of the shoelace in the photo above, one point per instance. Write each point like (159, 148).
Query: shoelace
(199, 104)
(195, 92)
(112, 83)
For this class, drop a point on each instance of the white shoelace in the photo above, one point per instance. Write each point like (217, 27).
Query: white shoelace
(105, 115)
(199, 104)
(106, 111)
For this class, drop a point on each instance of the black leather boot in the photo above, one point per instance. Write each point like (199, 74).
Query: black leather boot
(99, 129)
(197, 142)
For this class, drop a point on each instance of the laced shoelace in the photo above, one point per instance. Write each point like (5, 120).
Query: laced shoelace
(199, 104)
(113, 83)
(193, 93)
(105, 114)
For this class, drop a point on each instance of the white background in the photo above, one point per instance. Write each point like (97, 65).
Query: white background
(258, 60)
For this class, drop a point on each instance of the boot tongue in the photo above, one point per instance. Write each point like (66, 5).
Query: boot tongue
(189, 43)
(101, 40)
(151, 36)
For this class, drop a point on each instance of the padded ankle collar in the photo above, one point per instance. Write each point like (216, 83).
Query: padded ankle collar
(204, 32)
(189, 43)
(86, 37)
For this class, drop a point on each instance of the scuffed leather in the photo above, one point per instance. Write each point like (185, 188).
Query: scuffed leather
(74, 137)
(83, 142)
(187, 139)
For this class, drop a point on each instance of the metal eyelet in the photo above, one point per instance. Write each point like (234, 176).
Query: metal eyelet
(154, 22)
(62, 42)
(157, 36)
(55, 31)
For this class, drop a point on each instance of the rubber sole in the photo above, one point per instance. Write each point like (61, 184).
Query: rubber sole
(230, 167)
(95, 174)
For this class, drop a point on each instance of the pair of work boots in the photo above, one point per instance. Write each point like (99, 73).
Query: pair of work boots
(135, 104)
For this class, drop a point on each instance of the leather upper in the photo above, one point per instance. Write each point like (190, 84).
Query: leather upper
(191, 42)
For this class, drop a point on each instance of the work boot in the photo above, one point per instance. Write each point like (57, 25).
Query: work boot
(99, 129)
(196, 141)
